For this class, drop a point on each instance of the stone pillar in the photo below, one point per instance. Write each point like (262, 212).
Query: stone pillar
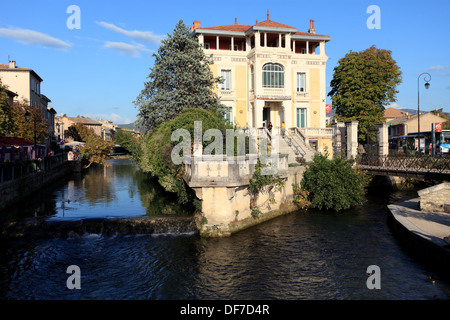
(382, 139)
(352, 139)
(338, 138)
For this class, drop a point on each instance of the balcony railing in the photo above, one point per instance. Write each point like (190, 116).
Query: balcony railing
(316, 132)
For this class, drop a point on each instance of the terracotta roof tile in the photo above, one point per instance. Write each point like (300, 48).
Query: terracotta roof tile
(13, 141)
(6, 66)
(272, 24)
(309, 34)
(230, 27)
(266, 23)
(394, 113)
(83, 120)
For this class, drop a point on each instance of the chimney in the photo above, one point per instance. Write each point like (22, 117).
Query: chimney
(196, 25)
(12, 64)
(311, 27)
(235, 20)
(268, 14)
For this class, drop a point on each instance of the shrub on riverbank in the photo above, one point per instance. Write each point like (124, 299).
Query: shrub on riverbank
(156, 148)
(333, 184)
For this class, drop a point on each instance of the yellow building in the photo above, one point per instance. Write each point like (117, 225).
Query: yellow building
(26, 85)
(272, 74)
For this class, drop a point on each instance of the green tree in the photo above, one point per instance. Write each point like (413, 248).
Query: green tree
(6, 120)
(157, 145)
(127, 141)
(363, 84)
(95, 149)
(333, 184)
(21, 127)
(180, 78)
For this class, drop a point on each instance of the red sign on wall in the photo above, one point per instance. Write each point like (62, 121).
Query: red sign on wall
(328, 108)
(438, 127)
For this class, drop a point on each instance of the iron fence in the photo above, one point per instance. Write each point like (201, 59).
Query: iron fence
(407, 162)
(16, 170)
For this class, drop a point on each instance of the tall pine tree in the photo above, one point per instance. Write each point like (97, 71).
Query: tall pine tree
(180, 78)
(363, 84)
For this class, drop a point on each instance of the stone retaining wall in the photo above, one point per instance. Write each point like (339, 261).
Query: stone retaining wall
(436, 198)
(16, 190)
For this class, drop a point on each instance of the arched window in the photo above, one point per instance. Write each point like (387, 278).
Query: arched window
(273, 75)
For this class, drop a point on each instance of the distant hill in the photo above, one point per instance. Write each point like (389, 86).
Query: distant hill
(410, 111)
(127, 126)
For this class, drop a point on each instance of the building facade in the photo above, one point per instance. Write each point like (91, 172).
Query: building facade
(26, 84)
(62, 125)
(272, 74)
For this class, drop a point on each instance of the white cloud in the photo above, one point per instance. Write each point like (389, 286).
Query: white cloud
(143, 36)
(394, 105)
(26, 36)
(133, 50)
(114, 117)
(436, 68)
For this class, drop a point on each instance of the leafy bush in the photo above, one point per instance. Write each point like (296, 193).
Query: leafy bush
(156, 157)
(301, 197)
(258, 182)
(333, 184)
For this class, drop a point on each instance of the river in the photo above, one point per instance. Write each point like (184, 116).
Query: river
(298, 256)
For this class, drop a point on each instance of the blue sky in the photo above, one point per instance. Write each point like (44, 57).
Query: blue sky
(99, 69)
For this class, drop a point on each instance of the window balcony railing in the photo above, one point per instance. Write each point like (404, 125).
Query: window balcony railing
(300, 95)
(226, 93)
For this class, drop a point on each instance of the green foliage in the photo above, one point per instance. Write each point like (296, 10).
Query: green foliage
(180, 78)
(26, 129)
(333, 184)
(256, 212)
(363, 84)
(6, 119)
(157, 146)
(301, 197)
(75, 131)
(127, 141)
(258, 182)
(96, 150)
(446, 125)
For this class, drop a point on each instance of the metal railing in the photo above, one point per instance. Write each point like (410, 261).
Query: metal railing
(419, 163)
(16, 169)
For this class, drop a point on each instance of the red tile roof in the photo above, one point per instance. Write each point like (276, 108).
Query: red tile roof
(394, 113)
(272, 24)
(230, 27)
(16, 142)
(6, 66)
(266, 23)
(83, 120)
(309, 34)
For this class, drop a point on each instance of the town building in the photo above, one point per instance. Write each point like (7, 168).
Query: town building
(392, 113)
(273, 73)
(63, 123)
(403, 131)
(26, 84)
(108, 129)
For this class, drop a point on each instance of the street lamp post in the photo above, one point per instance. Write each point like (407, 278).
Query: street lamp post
(427, 85)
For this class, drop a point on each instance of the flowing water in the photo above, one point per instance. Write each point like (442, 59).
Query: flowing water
(313, 255)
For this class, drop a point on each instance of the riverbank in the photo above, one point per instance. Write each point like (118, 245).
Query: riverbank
(422, 232)
(16, 190)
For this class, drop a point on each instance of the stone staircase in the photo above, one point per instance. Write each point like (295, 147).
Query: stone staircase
(293, 144)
